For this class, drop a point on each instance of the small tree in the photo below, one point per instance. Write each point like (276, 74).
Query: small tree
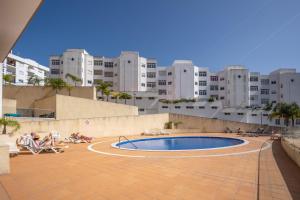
(9, 123)
(69, 88)
(7, 79)
(125, 96)
(115, 95)
(102, 87)
(107, 93)
(35, 80)
(75, 79)
(56, 84)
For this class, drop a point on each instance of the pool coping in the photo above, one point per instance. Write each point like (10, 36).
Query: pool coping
(245, 142)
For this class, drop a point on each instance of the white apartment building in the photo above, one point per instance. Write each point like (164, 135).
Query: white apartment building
(183, 80)
(73, 61)
(128, 72)
(237, 93)
(22, 69)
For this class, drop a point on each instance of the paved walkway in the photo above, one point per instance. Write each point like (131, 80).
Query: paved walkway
(82, 174)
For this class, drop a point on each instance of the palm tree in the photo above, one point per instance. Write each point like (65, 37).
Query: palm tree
(57, 84)
(102, 87)
(107, 92)
(9, 122)
(280, 110)
(125, 96)
(268, 107)
(294, 112)
(115, 95)
(75, 79)
(8, 79)
(286, 111)
(35, 80)
(69, 88)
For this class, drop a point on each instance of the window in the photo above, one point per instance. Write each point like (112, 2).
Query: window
(143, 84)
(214, 97)
(143, 66)
(214, 87)
(55, 71)
(202, 74)
(177, 107)
(227, 113)
(20, 81)
(108, 74)
(273, 92)
(55, 62)
(151, 65)
(128, 61)
(98, 72)
(98, 62)
(273, 82)
(214, 107)
(201, 107)
(170, 83)
(277, 121)
(265, 81)
(138, 98)
(89, 82)
(240, 113)
(116, 74)
(151, 74)
(151, 98)
(222, 78)
(202, 92)
(264, 101)
(162, 82)
(189, 107)
(253, 97)
(169, 73)
(253, 115)
(253, 88)
(222, 88)
(196, 83)
(109, 64)
(162, 73)
(214, 78)
(202, 83)
(264, 91)
(184, 70)
(266, 115)
(162, 92)
(196, 74)
(253, 78)
(141, 109)
(164, 107)
(196, 92)
(143, 75)
(151, 84)
(222, 98)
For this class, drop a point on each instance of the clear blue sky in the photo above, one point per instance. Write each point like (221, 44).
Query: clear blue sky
(260, 34)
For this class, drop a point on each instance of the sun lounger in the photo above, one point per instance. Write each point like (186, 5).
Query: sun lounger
(228, 130)
(26, 142)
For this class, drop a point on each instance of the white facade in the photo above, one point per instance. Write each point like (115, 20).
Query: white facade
(73, 61)
(23, 68)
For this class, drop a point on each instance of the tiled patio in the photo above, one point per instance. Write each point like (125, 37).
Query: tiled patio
(81, 174)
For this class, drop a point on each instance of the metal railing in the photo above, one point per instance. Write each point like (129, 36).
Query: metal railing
(127, 140)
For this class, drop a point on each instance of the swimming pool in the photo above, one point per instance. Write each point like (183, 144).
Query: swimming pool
(183, 143)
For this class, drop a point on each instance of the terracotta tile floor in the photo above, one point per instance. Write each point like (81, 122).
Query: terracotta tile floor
(81, 174)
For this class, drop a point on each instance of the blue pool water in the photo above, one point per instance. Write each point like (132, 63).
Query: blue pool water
(179, 143)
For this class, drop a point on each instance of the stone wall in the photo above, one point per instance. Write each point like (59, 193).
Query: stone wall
(208, 125)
